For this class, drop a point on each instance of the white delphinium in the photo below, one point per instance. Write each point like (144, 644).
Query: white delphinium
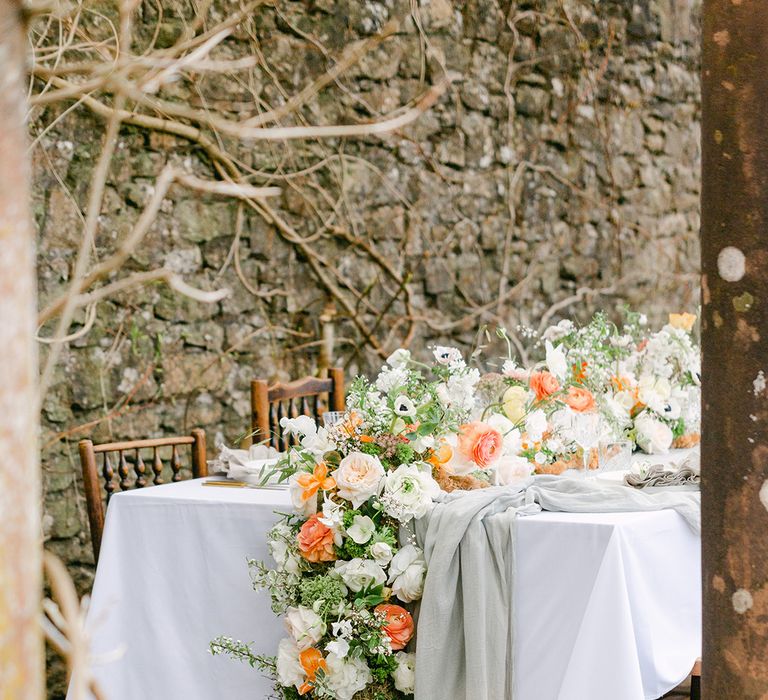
(536, 425)
(281, 543)
(391, 379)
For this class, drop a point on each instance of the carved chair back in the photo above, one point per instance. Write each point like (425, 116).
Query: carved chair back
(134, 464)
(309, 396)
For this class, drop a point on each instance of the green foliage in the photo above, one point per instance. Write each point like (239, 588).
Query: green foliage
(324, 591)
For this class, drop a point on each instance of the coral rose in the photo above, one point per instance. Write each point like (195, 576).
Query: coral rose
(399, 627)
(580, 400)
(544, 384)
(316, 541)
(480, 443)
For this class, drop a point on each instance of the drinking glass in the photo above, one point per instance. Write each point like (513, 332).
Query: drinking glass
(586, 434)
(331, 418)
(615, 455)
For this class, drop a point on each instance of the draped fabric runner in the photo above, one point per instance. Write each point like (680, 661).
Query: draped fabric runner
(464, 645)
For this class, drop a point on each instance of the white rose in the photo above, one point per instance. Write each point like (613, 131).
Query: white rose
(305, 626)
(653, 436)
(405, 673)
(399, 358)
(511, 468)
(407, 572)
(358, 477)
(362, 529)
(306, 508)
(358, 574)
(408, 492)
(381, 553)
(347, 676)
(289, 669)
(536, 425)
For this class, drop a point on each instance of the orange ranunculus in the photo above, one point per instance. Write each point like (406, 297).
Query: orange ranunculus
(442, 455)
(580, 399)
(544, 384)
(480, 443)
(311, 661)
(316, 541)
(399, 627)
(312, 483)
(682, 321)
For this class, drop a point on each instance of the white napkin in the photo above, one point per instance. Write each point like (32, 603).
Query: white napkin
(248, 465)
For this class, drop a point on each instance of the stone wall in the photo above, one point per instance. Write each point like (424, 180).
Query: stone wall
(561, 164)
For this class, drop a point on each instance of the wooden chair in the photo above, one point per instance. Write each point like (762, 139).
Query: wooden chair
(126, 469)
(309, 396)
(696, 681)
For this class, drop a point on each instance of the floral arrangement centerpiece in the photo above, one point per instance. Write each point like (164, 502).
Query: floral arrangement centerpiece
(346, 569)
(644, 386)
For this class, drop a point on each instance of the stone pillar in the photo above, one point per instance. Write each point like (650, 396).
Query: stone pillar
(735, 347)
(21, 651)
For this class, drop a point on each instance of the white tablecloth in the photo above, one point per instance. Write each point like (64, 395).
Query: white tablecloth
(607, 605)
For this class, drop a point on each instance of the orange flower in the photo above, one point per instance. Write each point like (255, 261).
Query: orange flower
(544, 384)
(399, 627)
(312, 483)
(311, 661)
(316, 541)
(479, 443)
(351, 423)
(442, 455)
(579, 372)
(367, 438)
(580, 399)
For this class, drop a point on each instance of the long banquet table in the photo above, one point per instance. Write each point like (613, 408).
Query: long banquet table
(607, 605)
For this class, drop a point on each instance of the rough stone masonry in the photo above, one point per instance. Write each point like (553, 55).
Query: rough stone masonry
(562, 165)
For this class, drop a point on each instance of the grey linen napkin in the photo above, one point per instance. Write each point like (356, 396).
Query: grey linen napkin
(657, 475)
(464, 647)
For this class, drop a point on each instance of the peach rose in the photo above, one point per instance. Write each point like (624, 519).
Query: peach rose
(399, 627)
(544, 384)
(682, 321)
(480, 443)
(316, 541)
(580, 400)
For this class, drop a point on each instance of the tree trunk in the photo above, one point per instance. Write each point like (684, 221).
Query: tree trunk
(735, 346)
(21, 650)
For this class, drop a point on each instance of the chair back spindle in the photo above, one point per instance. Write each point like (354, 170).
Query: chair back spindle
(132, 470)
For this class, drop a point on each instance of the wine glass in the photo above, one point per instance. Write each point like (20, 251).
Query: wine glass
(331, 418)
(586, 434)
